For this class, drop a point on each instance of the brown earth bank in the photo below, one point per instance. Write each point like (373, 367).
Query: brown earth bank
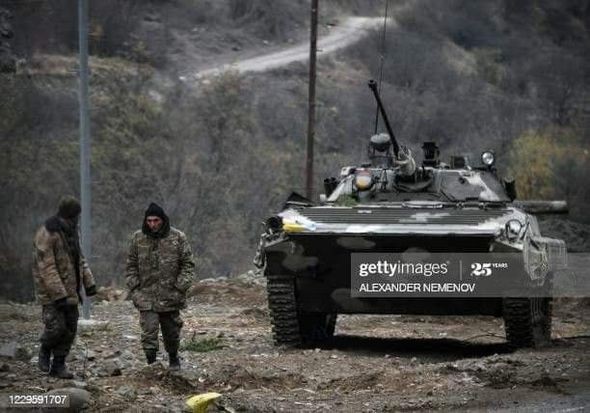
(375, 363)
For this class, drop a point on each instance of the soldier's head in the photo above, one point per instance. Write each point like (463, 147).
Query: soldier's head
(154, 217)
(69, 208)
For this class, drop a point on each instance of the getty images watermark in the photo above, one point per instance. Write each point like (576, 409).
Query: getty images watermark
(469, 275)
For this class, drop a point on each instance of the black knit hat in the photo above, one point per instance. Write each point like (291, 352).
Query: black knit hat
(155, 210)
(69, 207)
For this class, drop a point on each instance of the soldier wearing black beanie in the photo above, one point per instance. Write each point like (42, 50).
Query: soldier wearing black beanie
(155, 210)
(69, 207)
(159, 272)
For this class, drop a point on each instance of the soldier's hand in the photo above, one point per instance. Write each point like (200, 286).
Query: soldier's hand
(61, 303)
(90, 291)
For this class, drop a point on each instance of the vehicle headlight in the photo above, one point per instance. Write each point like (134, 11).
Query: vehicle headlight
(488, 158)
(513, 229)
(274, 223)
(363, 180)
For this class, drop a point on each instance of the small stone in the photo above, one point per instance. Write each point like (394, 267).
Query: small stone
(111, 367)
(91, 325)
(128, 392)
(14, 350)
(9, 349)
(79, 398)
(79, 384)
(4, 368)
(112, 354)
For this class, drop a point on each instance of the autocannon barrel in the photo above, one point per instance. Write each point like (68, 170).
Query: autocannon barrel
(373, 87)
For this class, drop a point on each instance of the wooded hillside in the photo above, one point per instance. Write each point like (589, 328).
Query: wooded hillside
(223, 153)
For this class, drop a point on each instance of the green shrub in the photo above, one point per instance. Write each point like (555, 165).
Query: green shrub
(203, 345)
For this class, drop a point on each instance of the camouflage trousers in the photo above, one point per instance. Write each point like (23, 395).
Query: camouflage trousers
(60, 329)
(171, 324)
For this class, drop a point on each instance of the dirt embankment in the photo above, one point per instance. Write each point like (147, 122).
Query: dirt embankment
(375, 364)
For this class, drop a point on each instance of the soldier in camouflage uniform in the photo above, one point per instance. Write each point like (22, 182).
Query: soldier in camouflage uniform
(159, 272)
(59, 269)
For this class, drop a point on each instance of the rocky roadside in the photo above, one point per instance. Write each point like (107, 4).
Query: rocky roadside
(376, 363)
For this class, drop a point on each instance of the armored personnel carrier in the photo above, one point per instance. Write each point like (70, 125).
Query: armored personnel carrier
(391, 212)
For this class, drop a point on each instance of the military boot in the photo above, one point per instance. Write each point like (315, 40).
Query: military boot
(174, 361)
(150, 356)
(44, 358)
(59, 369)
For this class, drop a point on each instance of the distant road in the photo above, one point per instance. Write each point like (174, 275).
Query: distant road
(348, 32)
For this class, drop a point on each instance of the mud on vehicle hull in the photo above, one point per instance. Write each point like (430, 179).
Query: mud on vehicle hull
(309, 284)
(320, 268)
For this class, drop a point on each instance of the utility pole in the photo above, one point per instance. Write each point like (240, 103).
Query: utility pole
(311, 106)
(85, 195)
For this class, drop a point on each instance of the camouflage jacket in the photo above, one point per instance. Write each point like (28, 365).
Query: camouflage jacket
(159, 271)
(53, 268)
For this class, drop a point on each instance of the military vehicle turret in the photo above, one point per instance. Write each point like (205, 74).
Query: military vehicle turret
(340, 255)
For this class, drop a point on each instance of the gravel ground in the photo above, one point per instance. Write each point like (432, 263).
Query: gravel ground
(375, 364)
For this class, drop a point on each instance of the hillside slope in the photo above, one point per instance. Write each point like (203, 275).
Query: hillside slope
(223, 156)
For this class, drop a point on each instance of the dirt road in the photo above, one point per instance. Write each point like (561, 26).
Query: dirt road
(376, 363)
(348, 32)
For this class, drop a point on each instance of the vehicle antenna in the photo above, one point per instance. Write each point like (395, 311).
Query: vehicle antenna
(382, 59)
